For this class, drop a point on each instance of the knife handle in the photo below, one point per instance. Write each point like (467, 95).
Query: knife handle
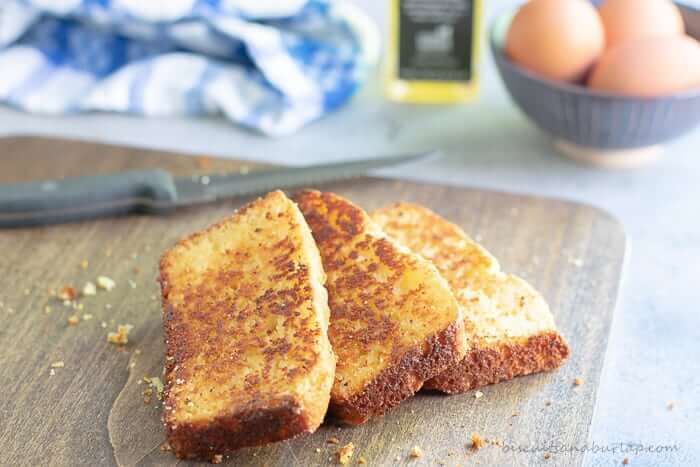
(55, 201)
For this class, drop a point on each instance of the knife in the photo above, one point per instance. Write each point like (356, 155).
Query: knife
(155, 191)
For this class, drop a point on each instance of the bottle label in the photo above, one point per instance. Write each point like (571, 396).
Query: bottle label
(435, 40)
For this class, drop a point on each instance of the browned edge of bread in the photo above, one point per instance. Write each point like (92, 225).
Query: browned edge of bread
(402, 379)
(255, 425)
(502, 361)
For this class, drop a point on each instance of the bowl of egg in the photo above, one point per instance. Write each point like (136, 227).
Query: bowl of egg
(611, 81)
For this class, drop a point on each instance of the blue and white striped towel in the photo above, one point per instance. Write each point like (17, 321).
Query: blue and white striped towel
(271, 65)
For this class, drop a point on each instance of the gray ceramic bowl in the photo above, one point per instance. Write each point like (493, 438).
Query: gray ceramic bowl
(593, 126)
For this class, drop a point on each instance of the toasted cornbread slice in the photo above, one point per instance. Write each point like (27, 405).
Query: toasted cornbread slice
(512, 331)
(245, 313)
(394, 320)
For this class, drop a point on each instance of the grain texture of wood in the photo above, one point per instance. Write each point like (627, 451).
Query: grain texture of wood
(91, 411)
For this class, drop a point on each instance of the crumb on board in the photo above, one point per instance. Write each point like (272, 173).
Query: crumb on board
(52, 372)
(626, 461)
(67, 293)
(105, 283)
(478, 395)
(120, 337)
(318, 450)
(344, 454)
(73, 320)
(87, 316)
(332, 440)
(84, 264)
(217, 459)
(147, 395)
(578, 382)
(58, 364)
(547, 403)
(166, 446)
(89, 289)
(547, 455)
(47, 309)
(477, 441)
(416, 452)
(156, 384)
(362, 460)
(670, 405)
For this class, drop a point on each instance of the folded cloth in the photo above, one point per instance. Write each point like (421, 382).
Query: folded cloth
(270, 65)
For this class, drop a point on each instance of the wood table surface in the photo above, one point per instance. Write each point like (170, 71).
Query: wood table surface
(91, 409)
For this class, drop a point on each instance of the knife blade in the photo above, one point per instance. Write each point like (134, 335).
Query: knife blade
(155, 191)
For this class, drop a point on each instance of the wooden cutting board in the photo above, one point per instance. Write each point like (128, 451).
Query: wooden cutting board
(92, 412)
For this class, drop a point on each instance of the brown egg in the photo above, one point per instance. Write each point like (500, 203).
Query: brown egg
(559, 39)
(652, 66)
(625, 20)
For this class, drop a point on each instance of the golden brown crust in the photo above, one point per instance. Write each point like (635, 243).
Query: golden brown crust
(401, 380)
(245, 320)
(252, 426)
(501, 362)
(394, 321)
